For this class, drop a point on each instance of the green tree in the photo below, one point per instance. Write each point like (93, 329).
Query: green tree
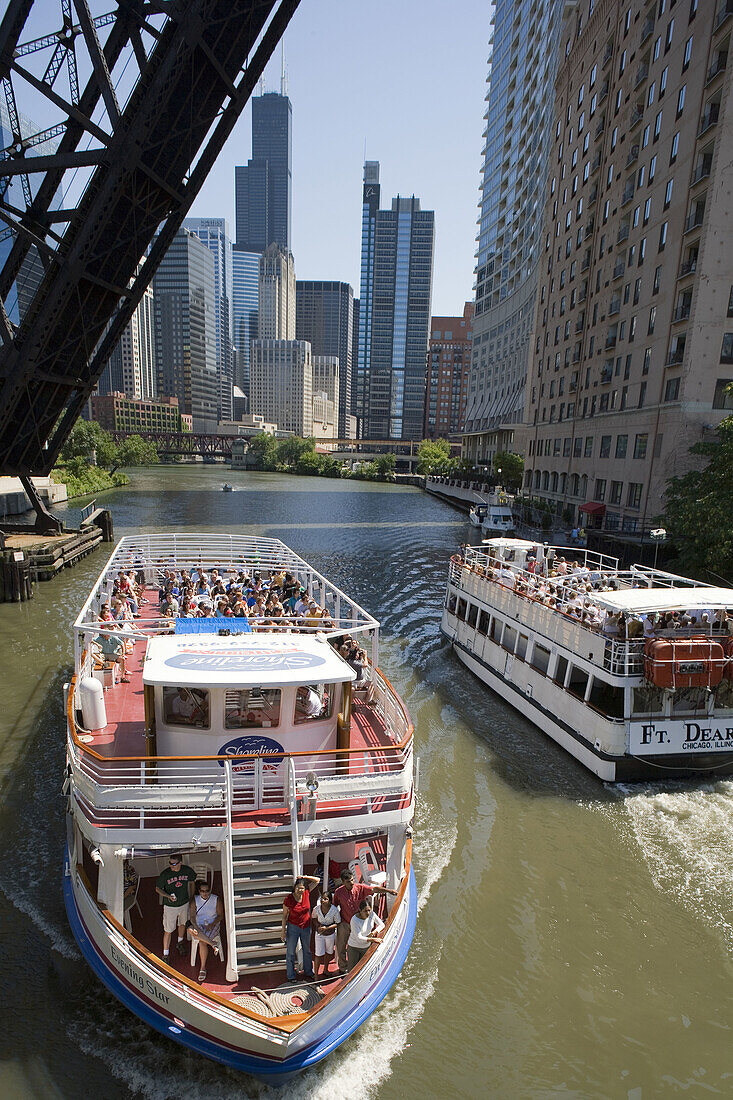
(512, 469)
(87, 441)
(134, 451)
(309, 463)
(698, 511)
(293, 449)
(433, 454)
(386, 466)
(263, 449)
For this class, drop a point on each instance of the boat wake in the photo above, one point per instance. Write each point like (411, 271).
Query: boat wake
(686, 838)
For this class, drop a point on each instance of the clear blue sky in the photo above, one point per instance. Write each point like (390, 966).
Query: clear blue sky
(408, 78)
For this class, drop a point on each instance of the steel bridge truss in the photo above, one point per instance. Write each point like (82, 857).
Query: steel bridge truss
(136, 105)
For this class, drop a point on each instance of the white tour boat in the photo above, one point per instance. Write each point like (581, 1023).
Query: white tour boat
(630, 670)
(205, 749)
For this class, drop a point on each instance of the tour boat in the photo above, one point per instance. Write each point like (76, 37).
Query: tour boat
(630, 670)
(248, 788)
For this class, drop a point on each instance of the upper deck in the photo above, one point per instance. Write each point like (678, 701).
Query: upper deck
(220, 721)
(585, 602)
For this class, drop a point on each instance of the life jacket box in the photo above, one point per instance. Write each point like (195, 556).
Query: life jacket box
(684, 663)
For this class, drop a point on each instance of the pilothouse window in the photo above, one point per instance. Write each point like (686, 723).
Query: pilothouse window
(252, 708)
(314, 701)
(186, 707)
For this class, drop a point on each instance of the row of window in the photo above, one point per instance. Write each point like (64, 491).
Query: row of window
(576, 485)
(593, 690)
(580, 448)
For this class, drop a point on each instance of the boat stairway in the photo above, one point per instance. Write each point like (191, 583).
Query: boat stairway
(262, 874)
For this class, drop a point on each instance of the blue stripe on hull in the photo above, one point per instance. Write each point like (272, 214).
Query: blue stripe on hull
(249, 1063)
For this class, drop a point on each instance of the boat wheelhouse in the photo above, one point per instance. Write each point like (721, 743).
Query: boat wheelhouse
(630, 670)
(494, 516)
(250, 747)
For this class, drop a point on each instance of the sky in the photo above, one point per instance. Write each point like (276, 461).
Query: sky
(405, 79)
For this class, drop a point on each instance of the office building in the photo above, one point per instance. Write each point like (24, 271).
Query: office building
(245, 311)
(184, 291)
(514, 171)
(131, 366)
(324, 316)
(281, 384)
(325, 397)
(449, 360)
(214, 233)
(263, 187)
(633, 346)
(276, 313)
(397, 248)
(116, 412)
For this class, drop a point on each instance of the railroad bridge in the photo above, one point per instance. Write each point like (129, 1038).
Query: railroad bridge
(142, 100)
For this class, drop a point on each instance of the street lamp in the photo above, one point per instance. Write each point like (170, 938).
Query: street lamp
(657, 535)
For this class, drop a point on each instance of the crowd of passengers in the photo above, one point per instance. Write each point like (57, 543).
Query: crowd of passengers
(273, 600)
(570, 587)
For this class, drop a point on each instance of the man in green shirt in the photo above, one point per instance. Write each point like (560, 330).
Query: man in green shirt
(175, 886)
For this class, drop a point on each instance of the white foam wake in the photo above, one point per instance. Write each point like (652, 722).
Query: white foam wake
(60, 938)
(686, 837)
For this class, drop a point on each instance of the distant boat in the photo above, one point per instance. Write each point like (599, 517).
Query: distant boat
(227, 488)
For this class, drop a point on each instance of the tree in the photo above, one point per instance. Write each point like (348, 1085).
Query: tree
(512, 469)
(134, 451)
(432, 454)
(293, 449)
(87, 441)
(386, 466)
(263, 448)
(698, 511)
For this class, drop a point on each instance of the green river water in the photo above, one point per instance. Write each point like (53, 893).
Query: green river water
(573, 940)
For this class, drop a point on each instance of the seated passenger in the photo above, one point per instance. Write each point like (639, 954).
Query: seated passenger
(206, 912)
(112, 650)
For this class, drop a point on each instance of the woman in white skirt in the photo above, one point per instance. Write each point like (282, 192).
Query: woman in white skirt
(206, 913)
(326, 918)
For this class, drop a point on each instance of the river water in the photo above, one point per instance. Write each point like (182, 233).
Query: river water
(573, 940)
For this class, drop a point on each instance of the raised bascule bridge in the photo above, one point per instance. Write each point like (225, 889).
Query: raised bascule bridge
(135, 105)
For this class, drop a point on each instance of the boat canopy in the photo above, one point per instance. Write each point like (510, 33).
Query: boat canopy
(244, 661)
(510, 544)
(638, 601)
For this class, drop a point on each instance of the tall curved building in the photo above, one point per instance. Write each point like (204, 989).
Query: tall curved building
(517, 141)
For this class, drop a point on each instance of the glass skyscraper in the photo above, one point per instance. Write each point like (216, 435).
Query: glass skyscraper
(397, 248)
(214, 233)
(263, 187)
(520, 105)
(324, 316)
(245, 307)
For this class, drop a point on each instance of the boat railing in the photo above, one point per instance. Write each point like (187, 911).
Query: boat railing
(624, 658)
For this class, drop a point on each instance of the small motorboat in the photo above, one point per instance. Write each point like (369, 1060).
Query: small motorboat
(227, 488)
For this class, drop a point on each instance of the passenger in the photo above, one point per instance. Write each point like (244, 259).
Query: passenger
(206, 912)
(185, 708)
(175, 887)
(112, 651)
(334, 871)
(364, 931)
(297, 926)
(348, 898)
(326, 919)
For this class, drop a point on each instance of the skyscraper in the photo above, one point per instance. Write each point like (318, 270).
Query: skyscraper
(276, 316)
(324, 315)
(245, 311)
(516, 139)
(396, 284)
(449, 358)
(633, 348)
(214, 233)
(281, 384)
(263, 187)
(184, 291)
(131, 366)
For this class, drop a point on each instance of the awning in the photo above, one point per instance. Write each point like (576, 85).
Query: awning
(593, 508)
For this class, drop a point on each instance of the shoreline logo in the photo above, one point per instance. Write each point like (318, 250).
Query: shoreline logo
(243, 662)
(255, 744)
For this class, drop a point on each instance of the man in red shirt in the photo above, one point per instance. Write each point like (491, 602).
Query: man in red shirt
(348, 897)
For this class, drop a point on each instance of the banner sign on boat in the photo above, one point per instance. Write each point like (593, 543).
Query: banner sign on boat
(664, 736)
(244, 661)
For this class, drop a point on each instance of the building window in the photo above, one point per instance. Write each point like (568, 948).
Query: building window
(675, 148)
(681, 100)
(723, 397)
(652, 167)
(640, 446)
(663, 82)
(605, 449)
(600, 491)
(668, 35)
(617, 488)
(726, 350)
(589, 446)
(662, 236)
(672, 389)
(622, 442)
(657, 126)
(652, 319)
(633, 499)
(687, 54)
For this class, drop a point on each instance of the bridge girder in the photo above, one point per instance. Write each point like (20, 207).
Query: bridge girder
(146, 162)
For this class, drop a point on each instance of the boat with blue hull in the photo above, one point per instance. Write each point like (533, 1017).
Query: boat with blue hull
(252, 745)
